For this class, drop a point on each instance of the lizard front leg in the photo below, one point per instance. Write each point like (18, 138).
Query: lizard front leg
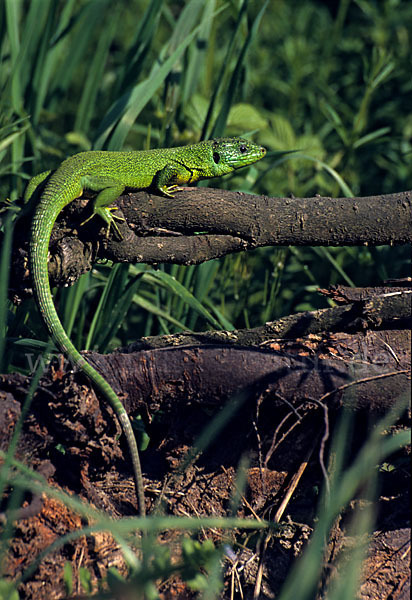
(167, 179)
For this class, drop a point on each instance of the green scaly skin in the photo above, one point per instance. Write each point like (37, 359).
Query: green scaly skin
(109, 174)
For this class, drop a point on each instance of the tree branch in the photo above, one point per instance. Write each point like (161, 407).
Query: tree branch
(371, 311)
(203, 223)
(235, 221)
(293, 372)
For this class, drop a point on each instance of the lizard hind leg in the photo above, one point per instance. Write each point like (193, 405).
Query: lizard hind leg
(109, 190)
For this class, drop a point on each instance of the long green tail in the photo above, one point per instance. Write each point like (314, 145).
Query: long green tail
(52, 201)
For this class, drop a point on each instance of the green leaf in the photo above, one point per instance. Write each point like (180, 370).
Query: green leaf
(221, 78)
(125, 111)
(369, 137)
(95, 73)
(282, 134)
(178, 289)
(8, 590)
(245, 117)
(221, 120)
(114, 579)
(7, 141)
(334, 118)
(152, 308)
(342, 184)
(68, 578)
(85, 578)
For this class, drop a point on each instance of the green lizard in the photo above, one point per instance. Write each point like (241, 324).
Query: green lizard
(109, 174)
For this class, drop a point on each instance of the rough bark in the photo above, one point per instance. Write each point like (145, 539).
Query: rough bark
(377, 363)
(209, 223)
(372, 309)
(367, 372)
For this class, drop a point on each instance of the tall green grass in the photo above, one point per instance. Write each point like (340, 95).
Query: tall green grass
(81, 74)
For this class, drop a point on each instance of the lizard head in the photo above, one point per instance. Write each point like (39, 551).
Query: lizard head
(229, 154)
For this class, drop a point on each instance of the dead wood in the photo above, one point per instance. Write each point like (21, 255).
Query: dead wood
(376, 363)
(372, 309)
(200, 224)
(366, 372)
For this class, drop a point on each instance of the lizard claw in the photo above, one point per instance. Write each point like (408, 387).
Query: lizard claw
(168, 189)
(106, 213)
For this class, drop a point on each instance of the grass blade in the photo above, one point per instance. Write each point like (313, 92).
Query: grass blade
(178, 289)
(220, 123)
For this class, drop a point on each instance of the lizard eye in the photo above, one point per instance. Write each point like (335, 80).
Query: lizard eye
(242, 148)
(216, 157)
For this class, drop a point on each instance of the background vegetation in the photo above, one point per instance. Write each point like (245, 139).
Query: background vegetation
(330, 81)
